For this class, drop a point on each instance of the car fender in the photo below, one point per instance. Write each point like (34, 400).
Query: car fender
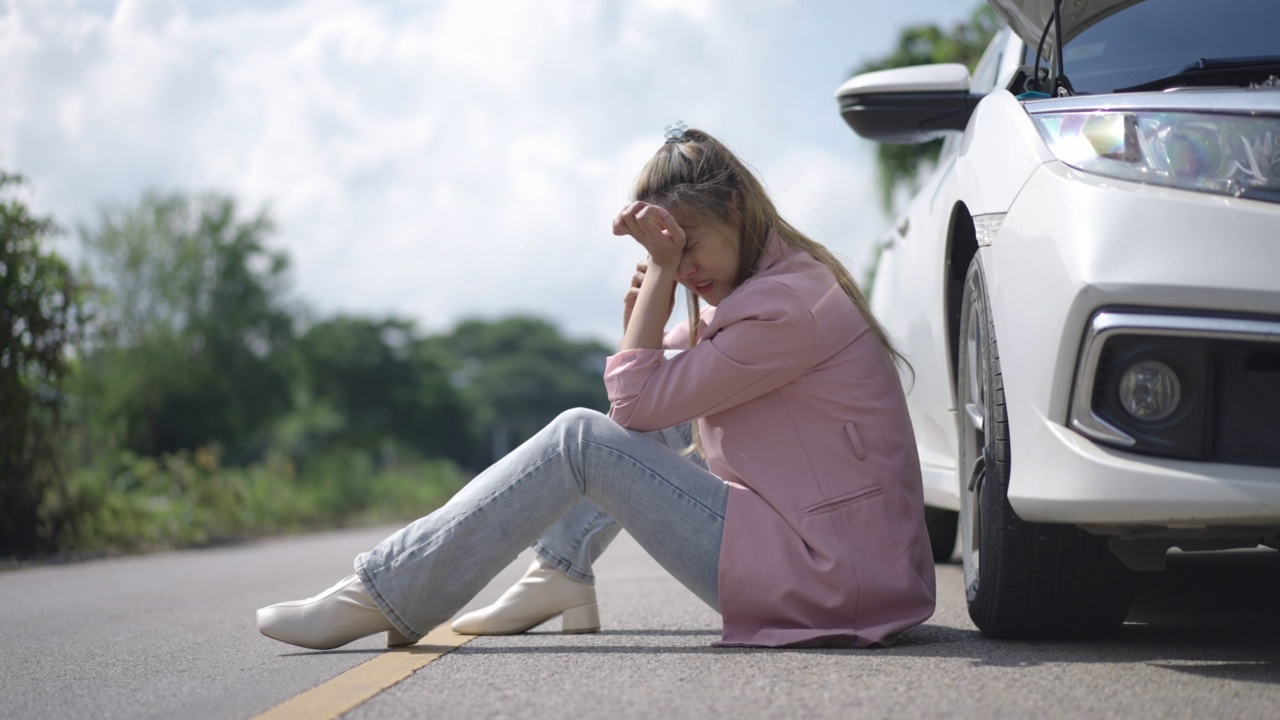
(998, 152)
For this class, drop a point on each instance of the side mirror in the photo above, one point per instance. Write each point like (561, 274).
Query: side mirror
(908, 105)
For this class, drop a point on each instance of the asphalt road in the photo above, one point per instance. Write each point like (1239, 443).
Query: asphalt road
(171, 636)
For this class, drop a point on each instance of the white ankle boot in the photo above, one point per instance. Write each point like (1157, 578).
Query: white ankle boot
(544, 592)
(335, 617)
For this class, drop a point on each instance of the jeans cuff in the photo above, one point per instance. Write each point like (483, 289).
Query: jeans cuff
(392, 616)
(563, 565)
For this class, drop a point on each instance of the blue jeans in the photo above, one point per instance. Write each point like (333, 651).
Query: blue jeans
(578, 539)
(422, 575)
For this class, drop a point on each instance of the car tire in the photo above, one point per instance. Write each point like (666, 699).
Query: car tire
(942, 526)
(1022, 580)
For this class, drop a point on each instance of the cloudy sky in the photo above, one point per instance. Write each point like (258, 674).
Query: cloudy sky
(441, 159)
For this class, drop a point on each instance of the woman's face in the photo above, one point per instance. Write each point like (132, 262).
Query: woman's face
(710, 261)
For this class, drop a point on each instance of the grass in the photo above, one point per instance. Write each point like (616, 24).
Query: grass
(139, 504)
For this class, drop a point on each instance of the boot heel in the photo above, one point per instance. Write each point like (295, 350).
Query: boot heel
(396, 639)
(581, 619)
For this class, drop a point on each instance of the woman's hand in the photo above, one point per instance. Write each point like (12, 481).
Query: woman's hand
(633, 292)
(655, 229)
(647, 305)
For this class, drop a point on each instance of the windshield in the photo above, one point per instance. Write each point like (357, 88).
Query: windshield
(1156, 38)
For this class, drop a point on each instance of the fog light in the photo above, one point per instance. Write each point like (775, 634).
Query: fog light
(1149, 390)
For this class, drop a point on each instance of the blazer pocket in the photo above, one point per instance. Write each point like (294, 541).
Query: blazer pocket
(852, 498)
(858, 448)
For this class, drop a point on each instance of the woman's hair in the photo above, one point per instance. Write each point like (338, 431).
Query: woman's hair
(700, 174)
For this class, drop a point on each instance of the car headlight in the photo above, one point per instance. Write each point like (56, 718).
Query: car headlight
(1235, 155)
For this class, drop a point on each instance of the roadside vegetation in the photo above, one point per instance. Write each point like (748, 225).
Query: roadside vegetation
(168, 392)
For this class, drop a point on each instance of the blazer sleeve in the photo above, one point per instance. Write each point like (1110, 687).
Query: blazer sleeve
(678, 337)
(757, 345)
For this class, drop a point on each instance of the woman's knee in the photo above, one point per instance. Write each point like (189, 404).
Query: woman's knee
(578, 418)
(574, 426)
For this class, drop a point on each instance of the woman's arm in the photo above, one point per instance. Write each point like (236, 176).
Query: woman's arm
(680, 341)
(756, 347)
(652, 311)
(646, 316)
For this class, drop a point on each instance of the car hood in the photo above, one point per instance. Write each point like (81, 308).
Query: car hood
(1028, 18)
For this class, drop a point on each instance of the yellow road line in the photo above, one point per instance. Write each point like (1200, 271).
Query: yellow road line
(362, 682)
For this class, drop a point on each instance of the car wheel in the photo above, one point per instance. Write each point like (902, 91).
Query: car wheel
(1022, 580)
(941, 525)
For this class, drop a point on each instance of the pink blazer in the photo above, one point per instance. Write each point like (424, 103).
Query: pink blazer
(802, 413)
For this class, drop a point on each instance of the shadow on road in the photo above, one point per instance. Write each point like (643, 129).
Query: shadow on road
(1210, 614)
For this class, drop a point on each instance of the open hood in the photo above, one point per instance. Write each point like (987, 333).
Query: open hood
(1028, 18)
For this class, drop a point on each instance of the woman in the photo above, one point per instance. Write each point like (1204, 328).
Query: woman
(807, 526)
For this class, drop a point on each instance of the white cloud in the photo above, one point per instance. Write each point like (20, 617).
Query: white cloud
(437, 160)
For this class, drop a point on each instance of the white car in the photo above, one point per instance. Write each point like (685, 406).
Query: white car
(1088, 290)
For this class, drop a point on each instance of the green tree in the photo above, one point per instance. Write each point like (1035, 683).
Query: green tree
(39, 320)
(191, 343)
(375, 383)
(898, 166)
(520, 372)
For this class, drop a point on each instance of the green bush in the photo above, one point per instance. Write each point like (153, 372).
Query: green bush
(189, 499)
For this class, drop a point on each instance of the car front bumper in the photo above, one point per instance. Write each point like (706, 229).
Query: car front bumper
(1073, 243)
